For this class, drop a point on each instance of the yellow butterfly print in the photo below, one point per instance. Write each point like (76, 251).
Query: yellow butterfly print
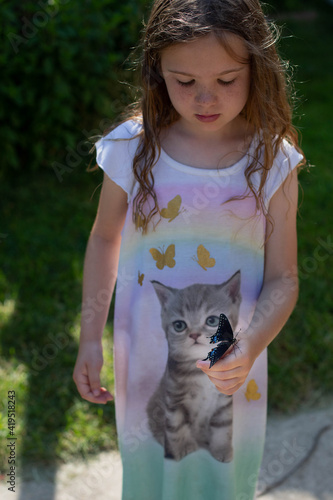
(140, 278)
(252, 391)
(164, 258)
(172, 210)
(204, 260)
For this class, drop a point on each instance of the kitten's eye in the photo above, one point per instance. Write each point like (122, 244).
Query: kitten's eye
(179, 325)
(212, 321)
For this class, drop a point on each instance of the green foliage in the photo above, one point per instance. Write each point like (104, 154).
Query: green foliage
(45, 225)
(292, 5)
(60, 64)
(299, 367)
(59, 67)
(40, 294)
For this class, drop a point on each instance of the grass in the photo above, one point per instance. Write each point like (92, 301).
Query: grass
(300, 358)
(41, 278)
(43, 235)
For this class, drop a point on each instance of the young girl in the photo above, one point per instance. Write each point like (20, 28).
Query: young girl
(199, 199)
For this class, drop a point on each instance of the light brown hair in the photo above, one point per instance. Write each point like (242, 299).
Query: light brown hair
(268, 110)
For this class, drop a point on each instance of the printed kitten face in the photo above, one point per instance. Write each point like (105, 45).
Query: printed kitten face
(191, 315)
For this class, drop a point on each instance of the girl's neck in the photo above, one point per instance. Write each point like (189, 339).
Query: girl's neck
(207, 150)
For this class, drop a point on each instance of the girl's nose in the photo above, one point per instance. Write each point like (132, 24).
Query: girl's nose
(205, 96)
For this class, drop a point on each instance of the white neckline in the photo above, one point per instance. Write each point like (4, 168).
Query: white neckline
(221, 172)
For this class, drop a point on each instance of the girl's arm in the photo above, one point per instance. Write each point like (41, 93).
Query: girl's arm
(277, 298)
(100, 271)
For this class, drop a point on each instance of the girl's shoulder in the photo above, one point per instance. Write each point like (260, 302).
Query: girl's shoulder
(288, 153)
(286, 159)
(122, 139)
(115, 152)
(129, 129)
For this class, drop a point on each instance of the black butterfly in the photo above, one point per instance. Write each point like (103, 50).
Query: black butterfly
(225, 338)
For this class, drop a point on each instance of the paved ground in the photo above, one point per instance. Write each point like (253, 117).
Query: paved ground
(298, 454)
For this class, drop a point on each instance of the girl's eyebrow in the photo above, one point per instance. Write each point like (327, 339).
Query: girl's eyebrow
(234, 70)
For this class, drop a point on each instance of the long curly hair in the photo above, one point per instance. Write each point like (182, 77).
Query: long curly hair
(269, 106)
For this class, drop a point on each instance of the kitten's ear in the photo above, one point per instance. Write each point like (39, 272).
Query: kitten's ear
(164, 293)
(233, 286)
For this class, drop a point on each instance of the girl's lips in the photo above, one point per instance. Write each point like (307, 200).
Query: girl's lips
(207, 118)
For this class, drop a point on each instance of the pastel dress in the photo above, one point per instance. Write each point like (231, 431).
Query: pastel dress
(180, 438)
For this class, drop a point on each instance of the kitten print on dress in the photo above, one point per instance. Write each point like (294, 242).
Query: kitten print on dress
(187, 412)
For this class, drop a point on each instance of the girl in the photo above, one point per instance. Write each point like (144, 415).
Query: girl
(199, 199)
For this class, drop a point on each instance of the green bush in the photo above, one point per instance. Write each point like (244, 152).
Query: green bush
(60, 65)
(292, 5)
(60, 62)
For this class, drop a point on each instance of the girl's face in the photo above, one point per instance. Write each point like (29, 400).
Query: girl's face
(207, 87)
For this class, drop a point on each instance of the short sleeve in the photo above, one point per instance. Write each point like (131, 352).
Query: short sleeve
(284, 163)
(115, 153)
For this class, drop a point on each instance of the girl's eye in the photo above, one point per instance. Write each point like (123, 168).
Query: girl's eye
(225, 84)
(191, 82)
(186, 84)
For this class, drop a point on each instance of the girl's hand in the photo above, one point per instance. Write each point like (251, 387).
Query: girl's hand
(230, 372)
(87, 372)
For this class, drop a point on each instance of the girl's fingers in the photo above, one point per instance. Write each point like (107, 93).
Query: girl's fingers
(94, 381)
(227, 387)
(219, 370)
(228, 362)
(227, 381)
(103, 397)
(229, 373)
(87, 392)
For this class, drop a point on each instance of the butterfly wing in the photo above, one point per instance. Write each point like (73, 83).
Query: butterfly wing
(204, 259)
(217, 352)
(159, 257)
(224, 331)
(169, 256)
(140, 278)
(224, 337)
(172, 209)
